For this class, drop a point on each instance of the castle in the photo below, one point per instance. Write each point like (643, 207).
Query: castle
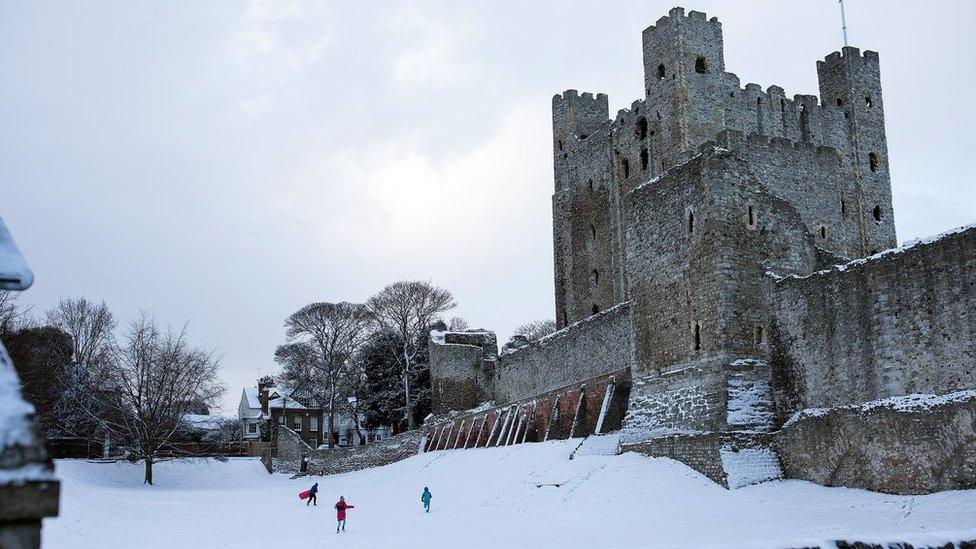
(728, 290)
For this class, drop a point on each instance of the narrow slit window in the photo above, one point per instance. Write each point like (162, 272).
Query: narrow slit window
(696, 335)
(877, 213)
(873, 161)
(596, 277)
(868, 101)
(701, 67)
(759, 337)
(593, 231)
(590, 183)
(660, 70)
(596, 308)
(843, 208)
(625, 168)
(641, 129)
(823, 232)
(751, 215)
(643, 159)
(560, 144)
(691, 222)
(840, 102)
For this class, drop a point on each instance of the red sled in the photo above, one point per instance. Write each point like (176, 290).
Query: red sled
(305, 495)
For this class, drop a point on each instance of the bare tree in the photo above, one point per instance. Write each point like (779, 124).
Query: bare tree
(457, 324)
(13, 316)
(90, 326)
(536, 329)
(154, 379)
(325, 337)
(405, 310)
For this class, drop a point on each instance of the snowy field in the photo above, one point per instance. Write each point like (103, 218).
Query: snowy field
(496, 497)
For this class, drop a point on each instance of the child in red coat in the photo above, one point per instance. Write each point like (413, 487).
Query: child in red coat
(341, 507)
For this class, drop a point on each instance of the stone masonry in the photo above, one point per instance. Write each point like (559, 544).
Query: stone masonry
(724, 247)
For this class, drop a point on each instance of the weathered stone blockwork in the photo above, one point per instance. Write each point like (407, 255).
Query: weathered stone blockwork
(291, 450)
(901, 445)
(899, 323)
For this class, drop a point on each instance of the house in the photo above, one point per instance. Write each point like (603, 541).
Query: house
(296, 408)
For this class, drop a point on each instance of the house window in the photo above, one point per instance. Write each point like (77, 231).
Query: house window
(296, 423)
(700, 66)
(873, 161)
(252, 428)
(313, 443)
(660, 70)
(281, 419)
(314, 423)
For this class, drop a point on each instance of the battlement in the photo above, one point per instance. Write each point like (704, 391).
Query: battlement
(850, 53)
(738, 141)
(574, 97)
(677, 14)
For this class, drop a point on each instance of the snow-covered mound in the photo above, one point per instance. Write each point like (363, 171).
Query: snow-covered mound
(529, 495)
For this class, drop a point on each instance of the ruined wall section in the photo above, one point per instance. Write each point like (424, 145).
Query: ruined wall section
(587, 277)
(584, 350)
(462, 369)
(896, 323)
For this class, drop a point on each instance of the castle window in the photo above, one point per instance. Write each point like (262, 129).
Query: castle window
(560, 144)
(596, 277)
(873, 161)
(868, 101)
(593, 231)
(696, 336)
(840, 102)
(625, 168)
(583, 136)
(823, 232)
(758, 335)
(565, 318)
(751, 216)
(700, 66)
(843, 208)
(660, 70)
(643, 159)
(877, 213)
(641, 129)
(691, 221)
(596, 308)
(590, 183)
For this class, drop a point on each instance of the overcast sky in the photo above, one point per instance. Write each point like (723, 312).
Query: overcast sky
(225, 162)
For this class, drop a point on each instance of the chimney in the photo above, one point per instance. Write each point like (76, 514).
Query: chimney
(263, 385)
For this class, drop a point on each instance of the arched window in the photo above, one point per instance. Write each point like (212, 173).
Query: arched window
(873, 161)
(877, 213)
(641, 129)
(596, 277)
(596, 308)
(660, 70)
(701, 67)
(643, 159)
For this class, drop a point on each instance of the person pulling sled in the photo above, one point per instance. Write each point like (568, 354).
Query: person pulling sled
(310, 495)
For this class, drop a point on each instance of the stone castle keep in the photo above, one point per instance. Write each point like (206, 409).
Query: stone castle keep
(728, 290)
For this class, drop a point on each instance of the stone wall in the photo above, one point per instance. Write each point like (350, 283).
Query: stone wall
(897, 323)
(587, 349)
(902, 445)
(291, 450)
(462, 369)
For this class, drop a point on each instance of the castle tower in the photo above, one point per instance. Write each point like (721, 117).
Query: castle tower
(582, 205)
(685, 81)
(851, 82)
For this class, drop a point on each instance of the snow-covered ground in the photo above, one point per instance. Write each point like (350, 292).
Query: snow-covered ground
(495, 497)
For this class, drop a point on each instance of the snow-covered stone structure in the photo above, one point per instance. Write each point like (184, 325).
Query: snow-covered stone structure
(28, 488)
(720, 267)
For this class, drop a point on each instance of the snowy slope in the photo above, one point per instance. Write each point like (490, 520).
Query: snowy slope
(495, 497)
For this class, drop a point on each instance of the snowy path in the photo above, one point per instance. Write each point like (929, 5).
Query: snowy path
(482, 498)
